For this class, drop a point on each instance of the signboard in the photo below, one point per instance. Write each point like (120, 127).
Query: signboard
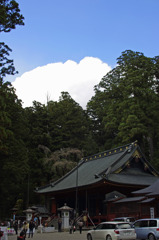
(10, 231)
(5, 235)
(152, 214)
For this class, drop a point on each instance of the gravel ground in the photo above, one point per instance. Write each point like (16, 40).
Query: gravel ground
(55, 236)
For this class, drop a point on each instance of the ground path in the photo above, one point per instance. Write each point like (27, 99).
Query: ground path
(55, 236)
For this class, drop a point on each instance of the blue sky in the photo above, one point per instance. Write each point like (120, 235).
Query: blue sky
(57, 31)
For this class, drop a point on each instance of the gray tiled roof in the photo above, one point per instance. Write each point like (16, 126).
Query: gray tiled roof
(151, 190)
(142, 180)
(92, 169)
(130, 199)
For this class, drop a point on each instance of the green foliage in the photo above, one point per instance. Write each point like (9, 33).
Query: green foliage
(13, 152)
(19, 206)
(6, 65)
(61, 161)
(58, 125)
(9, 15)
(4, 118)
(129, 99)
(68, 125)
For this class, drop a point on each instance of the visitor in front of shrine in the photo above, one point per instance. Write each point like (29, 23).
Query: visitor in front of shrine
(31, 228)
(22, 236)
(72, 226)
(16, 227)
(24, 229)
(80, 224)
(59, 224)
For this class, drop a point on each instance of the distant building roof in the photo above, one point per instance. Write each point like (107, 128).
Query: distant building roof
(130, 199)
(152, 190)
(139, 199)
(148, 200)
(113, 196)
(123, 165)
(40, 210)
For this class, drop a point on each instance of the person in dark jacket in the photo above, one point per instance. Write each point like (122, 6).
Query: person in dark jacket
(22, 235)
(80, 224)
(31, 228)
(16, 227)
(59, 224)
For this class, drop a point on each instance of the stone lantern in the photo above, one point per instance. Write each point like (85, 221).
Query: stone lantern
(65, 214)
(29, 214)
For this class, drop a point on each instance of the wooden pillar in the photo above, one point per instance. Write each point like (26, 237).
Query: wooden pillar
(53, 206)
(97, 207)
(86, 207)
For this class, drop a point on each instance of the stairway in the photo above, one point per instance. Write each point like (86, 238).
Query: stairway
(53, 223)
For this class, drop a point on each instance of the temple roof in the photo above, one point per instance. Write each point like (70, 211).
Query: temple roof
(130, 199)
(123, 165)
(152, 190)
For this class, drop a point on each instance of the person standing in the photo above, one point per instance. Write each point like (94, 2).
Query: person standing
(16, 227)
(59, 224)
(36, 222)
(71, 226)
(25, 228)
(80, 224)
(31, 229)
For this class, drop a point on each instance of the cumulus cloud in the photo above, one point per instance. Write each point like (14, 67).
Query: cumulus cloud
(78, 79)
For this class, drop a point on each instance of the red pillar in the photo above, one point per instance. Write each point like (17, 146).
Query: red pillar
(53, 206)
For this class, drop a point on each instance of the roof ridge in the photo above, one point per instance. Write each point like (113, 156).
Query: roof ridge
(109, 152)
(108, 170)
(153, 170)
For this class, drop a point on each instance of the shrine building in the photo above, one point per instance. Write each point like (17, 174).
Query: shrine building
(103, 184)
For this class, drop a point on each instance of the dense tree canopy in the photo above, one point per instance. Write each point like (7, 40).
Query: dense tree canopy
(69, 126)
(9, 17)
(61, 161)
(6, 64)
(13, 151)
(13, 154)
(128, 97)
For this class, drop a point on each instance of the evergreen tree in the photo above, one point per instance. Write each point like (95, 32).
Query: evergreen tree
(68, 124)
(60, 162)
(13, 152)
(128, 96)
(9, 17)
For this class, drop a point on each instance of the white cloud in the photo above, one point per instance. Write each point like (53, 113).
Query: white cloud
(78, 79)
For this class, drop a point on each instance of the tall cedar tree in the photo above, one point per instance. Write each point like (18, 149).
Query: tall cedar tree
(9, 17)
(12, 149)
(128, 97)
(13, 152)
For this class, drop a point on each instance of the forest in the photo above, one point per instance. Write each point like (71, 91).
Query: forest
(41, 143)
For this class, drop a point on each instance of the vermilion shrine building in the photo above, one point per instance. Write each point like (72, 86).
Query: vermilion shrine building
(103, 185)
